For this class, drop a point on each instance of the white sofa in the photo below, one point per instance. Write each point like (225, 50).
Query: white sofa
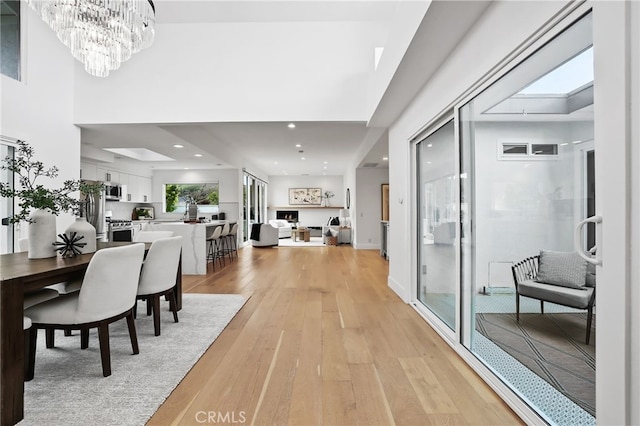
(284, 227)
(268, 236)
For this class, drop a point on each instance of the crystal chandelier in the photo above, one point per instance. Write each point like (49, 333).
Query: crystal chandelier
(100, 33)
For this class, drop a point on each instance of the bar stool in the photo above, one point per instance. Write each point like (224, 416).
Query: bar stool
(233, 240)
(224, 241)
(213, 243)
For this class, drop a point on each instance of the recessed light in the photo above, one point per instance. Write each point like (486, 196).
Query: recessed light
(576, 142)
(325, 167)
(325, 173)
(298, 145)
(197, 155)
(291, 126)
(302, 158)
(564, 144)
(186, 168)
(385, 158)
(326, 162)
(178, 146)
(275, 162)
(429, 145)
(428, 162)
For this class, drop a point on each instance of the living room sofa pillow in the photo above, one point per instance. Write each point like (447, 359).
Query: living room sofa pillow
(565, 269)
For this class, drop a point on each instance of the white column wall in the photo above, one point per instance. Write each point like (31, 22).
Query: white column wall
(369, 211)
(39, 109)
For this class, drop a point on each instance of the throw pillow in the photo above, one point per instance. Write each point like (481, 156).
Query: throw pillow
(328, 233)
(565, 269)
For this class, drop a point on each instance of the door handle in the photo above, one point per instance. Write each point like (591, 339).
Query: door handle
(577, 239)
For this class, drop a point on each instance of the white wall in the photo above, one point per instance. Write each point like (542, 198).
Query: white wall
(39, 109)
(207, 72)
(503, 27)
(278, 197)
(368, 212)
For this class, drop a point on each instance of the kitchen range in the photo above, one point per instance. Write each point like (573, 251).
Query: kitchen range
(119, 230)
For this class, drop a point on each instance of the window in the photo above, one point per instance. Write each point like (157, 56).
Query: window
(205, 195)
(10, 38)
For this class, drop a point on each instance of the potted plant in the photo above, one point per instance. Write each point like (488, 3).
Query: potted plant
(37, 205)
(325, 198)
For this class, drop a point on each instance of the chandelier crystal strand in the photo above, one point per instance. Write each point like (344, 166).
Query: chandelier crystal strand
(100, 33)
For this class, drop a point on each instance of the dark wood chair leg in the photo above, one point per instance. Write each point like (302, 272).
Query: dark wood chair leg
(156, 313)
(105, 351)
(172, 305)
(541, 307)
(517, 307)
(48, 332)
(149, 306)
(589, 318)
(67, 333)
(132, 334)
(31, 338)
(84, 338)
(135, 309)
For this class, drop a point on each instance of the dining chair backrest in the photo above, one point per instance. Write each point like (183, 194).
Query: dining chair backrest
(160, 266)
(23, 244)
(234, 229)
(151, 236)
(216, 233)
(225, 230)
(110, 283)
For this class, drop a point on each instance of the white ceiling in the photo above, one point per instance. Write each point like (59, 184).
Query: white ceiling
(270, 146)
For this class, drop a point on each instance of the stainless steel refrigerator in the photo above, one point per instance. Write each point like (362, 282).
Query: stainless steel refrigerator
(94, 209)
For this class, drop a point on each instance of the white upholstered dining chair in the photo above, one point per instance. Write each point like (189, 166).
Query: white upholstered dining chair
(158, 277)
(108, 294)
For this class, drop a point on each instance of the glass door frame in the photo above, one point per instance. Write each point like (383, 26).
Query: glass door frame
(451, 336)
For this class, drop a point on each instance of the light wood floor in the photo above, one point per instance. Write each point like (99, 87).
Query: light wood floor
(323, 340)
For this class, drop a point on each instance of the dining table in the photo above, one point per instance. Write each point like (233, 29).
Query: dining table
(19, 274)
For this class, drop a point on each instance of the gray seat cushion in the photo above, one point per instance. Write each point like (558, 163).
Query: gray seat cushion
(576, 298)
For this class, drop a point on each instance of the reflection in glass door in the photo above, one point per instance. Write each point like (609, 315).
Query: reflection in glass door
(438, 223)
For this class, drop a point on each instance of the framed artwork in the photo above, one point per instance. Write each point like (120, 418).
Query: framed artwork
(385, 201)
(305, 196)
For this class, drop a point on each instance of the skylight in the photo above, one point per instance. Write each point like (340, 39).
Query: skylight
(571, 75)
(140, 154)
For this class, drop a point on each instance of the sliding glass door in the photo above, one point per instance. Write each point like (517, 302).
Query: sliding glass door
(254, 202)
(437, 224)
(7, 234)
(527, 181)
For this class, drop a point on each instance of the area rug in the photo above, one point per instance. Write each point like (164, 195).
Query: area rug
(550, 345)
(69, 389)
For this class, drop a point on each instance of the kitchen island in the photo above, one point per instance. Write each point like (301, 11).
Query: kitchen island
(194, 242)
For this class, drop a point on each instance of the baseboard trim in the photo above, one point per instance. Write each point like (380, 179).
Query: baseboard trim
(398, 289)
(367, 246)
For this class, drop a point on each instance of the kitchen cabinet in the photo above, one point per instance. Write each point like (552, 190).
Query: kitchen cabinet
(88, 171)
(138, 189)
(107, 175)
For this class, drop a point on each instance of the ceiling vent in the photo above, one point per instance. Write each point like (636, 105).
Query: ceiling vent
(370, 165)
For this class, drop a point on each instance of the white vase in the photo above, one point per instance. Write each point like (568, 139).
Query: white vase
(42, 234)
(82, 228)
(323, 203)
